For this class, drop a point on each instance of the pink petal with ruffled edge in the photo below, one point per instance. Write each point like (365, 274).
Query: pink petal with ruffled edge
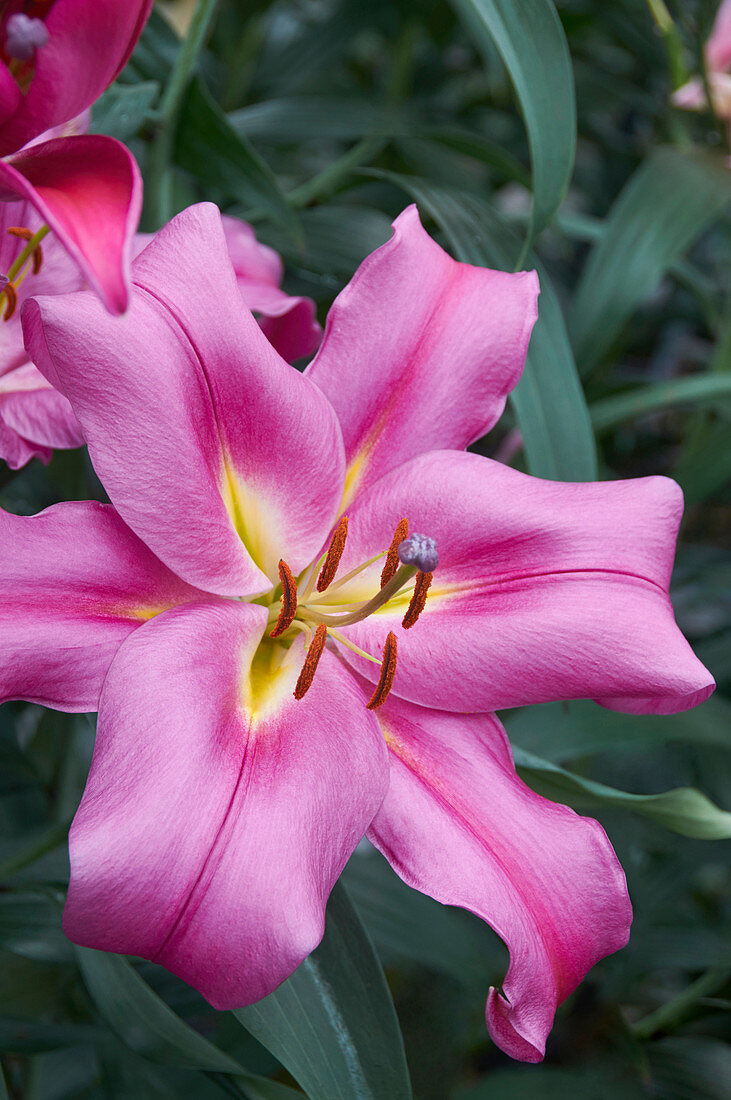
(215, 823)
(76, 583)
(89, 191)
(185, 391)
(544, 590)
(420, 351)
(459, 825)
(89, 42)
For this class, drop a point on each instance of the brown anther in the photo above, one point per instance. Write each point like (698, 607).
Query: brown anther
(418, 599)
(314, 652)
(388, 671)
(334, 554)
(288, 610)
(27, 235)
(11, 301)
(392, 559)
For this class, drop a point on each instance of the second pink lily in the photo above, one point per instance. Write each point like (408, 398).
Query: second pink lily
(56, 58)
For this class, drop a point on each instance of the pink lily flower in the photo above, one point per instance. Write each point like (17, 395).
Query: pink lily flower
(289, 323)
(56, 58)
(246, 735)
(692, 96)
(35, 418)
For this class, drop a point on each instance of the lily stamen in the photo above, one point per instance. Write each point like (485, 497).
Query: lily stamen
(397, 582)
(388, 671)
(352, 646)
(392, 556)
(27, 235)
(334, 554)
(309, 668)
(349, 577)
(418, 599)
(288, 608)
(11, 301)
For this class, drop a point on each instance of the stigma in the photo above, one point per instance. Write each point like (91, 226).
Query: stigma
(23, 36)
(419, 550)
(301, 607)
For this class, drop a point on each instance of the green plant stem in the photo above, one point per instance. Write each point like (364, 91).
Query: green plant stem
(672, 39)
(672, 1013)
(161, 147)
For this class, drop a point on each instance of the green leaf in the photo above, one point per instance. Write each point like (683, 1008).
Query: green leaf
(689, 1068)
(298, 118)
(144, 1023)
(684, 810)
(549, 402)
(30, 925)
(407, 925)
(670, 200)
(532, 44)
(566, 731)
(698, 389)
(333, 1024)
(123, 108)
(209, 148)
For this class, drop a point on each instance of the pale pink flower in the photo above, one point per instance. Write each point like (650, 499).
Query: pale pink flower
(220, 809)
(692, 96)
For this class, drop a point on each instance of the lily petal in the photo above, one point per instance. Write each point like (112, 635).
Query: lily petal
(76, 583)
(420, 352)
(289, 323)
(459, 825)
(32, 411)
(544, 590)
(185, 389)
(718, 46)
(219, 811)
(89, 191)
(89, 43)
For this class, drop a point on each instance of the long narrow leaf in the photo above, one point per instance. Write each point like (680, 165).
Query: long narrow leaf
(209, 147)
(532, 44)
(333, 1024)
(669, 201)
(699, 389)
(684, 810)
(144, 1023)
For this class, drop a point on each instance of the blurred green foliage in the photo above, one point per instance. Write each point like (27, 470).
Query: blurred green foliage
(318, 120)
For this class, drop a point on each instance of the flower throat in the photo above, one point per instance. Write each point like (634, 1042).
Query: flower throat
(300, 606)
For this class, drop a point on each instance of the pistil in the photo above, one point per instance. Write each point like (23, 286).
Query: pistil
(408, 557)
